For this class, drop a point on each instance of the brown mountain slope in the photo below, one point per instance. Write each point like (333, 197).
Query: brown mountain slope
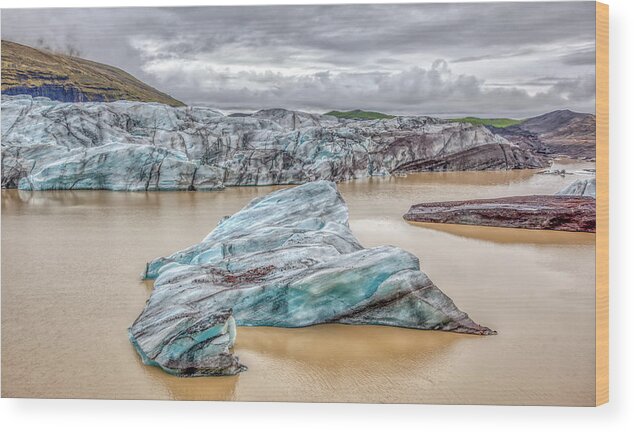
(27, 70)
(557, 133)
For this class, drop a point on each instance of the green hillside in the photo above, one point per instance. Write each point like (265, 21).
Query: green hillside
(496, 122)
(27, 70)
(359, 115)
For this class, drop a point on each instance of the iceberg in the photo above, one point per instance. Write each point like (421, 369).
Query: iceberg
(582, 187)
(287, 259)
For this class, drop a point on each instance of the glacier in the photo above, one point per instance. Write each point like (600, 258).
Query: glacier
(135, 146)
(287, 259)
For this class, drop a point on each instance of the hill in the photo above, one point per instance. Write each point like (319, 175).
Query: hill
(359, 115)
(557, 122)
(27, 70)
(496, 122)
(557, 133)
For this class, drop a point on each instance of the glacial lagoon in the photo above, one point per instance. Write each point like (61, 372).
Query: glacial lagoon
(71, 287)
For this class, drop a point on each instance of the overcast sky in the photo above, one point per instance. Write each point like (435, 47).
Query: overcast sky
(493, 59)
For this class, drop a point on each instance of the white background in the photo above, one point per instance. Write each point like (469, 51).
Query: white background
(70, 415)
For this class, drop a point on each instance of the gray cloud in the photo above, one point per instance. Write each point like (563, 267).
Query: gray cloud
(582, 57)
(349, 56)
(431, 90)
(494, 56)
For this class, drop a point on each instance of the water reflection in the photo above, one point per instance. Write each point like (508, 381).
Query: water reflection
(511, 235)
(331, 361)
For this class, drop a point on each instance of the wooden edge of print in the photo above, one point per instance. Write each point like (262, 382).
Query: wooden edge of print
(602, 237)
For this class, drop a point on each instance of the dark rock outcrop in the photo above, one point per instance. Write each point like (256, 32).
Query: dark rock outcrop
(58, 92)
(546, 212)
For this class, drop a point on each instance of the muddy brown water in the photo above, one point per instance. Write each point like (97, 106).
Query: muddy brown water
(71, 262)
